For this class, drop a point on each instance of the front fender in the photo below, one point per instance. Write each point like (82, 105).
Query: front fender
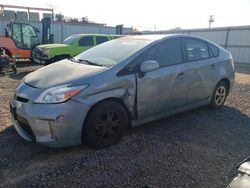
(124, 89)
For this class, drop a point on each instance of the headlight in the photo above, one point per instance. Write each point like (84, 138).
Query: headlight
(245, 167)
(59, 94)
(46, 51)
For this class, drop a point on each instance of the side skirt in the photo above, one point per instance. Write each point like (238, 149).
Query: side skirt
(165, 114)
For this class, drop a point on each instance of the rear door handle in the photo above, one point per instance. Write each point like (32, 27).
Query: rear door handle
(212, 67)
(181, 75)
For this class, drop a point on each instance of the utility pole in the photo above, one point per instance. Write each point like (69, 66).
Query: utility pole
(211, 19)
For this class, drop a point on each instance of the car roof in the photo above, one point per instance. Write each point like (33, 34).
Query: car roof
(150, 37)
(153, 37)
(81, 35)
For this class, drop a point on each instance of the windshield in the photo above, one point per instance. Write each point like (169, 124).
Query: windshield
(113, 52)
(71, 40)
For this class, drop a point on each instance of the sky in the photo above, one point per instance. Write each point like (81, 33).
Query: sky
(150, 14)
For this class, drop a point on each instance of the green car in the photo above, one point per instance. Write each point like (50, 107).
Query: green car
(71, 46)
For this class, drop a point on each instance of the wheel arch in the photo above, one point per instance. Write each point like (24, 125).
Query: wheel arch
(114, 99)
(227, 81)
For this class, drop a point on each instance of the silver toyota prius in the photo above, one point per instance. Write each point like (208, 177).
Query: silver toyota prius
(96, 96)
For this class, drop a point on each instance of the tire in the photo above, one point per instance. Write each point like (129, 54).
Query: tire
(219, 95)
(32, 59)
(106, 124)
(14, 69)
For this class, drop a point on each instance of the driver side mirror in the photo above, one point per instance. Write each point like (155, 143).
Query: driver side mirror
(148, 66)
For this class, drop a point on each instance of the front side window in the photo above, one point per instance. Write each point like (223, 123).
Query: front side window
(86, 41)
(196, 49)
(166, 53)
(16, 35)
(30, 38)
(101, 39)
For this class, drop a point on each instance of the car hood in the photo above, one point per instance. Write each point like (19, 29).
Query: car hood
(51, 46)
(60, 73)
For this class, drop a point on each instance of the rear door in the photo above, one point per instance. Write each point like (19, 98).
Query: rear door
(202, 69)
(163, 89)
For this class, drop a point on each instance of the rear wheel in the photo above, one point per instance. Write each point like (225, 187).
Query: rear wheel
(106, 124)
(219, 95)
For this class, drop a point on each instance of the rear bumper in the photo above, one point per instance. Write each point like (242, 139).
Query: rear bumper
(232, 81)
(52, 125)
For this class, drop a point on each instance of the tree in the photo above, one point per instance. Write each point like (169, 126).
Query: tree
(59, 17)
(72, 20)
(84, 20)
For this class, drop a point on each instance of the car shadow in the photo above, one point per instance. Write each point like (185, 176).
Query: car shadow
(194, 135)
(242, 69)
(18, 75)
(227, 117)
(25, 63)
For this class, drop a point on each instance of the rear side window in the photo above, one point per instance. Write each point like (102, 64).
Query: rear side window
(196, 49)
(86, 41)
(166, 53)
(101, 39)
(213, 49)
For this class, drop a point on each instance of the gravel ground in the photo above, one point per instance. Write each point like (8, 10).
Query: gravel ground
(199, 148)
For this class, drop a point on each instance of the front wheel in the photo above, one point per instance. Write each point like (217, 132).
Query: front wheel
(106, 124)
(219, 95)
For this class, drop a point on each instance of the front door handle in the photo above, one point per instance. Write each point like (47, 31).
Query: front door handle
(181, 75)
(212, 67)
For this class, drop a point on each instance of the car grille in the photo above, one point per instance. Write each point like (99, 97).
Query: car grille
(24, 124)
(38, 53)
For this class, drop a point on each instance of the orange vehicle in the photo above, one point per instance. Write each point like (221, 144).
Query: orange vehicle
(19, 40)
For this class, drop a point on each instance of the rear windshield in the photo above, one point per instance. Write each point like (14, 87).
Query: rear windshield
(71, 40)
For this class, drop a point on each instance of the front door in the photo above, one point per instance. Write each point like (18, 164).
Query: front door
(163, 89)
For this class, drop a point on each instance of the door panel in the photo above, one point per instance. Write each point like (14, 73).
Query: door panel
(162, 90)
(202, 70)
(202, 76)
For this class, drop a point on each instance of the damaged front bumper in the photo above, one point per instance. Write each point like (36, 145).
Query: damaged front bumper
(52, 125)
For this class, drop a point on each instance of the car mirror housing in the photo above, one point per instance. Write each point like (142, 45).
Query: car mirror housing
(244, 166)
(148, 66)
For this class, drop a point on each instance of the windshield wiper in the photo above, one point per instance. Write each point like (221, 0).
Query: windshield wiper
(73, 59)
(89, 62)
